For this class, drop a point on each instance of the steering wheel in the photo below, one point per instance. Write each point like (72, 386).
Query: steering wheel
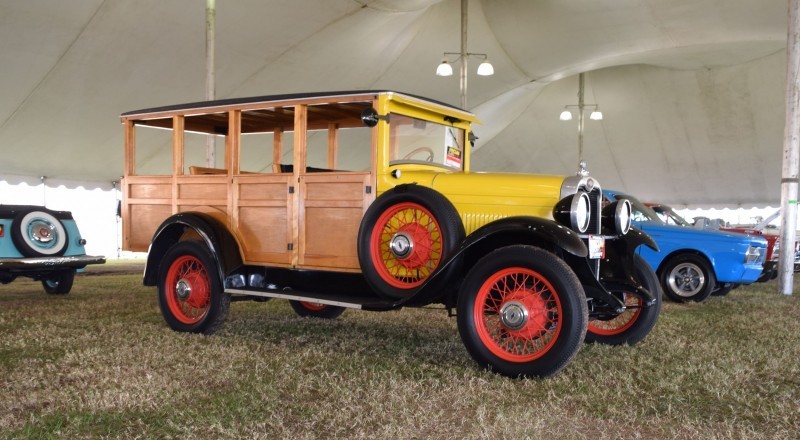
(416, 151)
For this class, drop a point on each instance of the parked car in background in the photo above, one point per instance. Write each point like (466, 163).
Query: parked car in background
(669, 216)
(691, 263)
(365, 200)
(42, 244)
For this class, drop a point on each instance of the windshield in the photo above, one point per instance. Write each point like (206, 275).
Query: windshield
(670, 217)
(641, 213)
(415, 140)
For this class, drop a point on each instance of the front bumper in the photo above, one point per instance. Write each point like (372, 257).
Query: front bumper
(49, 263)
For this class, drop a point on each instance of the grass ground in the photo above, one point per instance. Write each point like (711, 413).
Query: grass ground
(100, 362)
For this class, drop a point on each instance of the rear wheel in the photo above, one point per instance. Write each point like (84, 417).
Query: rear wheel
(522, 312)
(636, 322)
(190, 293)
(316, 310)
(59, 283)
(687, 277)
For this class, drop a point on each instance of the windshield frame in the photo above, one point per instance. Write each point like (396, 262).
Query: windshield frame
(448, 151)
(640, 208)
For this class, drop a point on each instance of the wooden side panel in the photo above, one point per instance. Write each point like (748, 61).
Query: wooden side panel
(332, 207)
(146, 202)
(145, 219)
(262, 218)
(196, 192)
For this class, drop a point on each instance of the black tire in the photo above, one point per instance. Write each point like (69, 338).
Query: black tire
(724, 289)
(635, 323)
(37, 233)
(687, 277)
(190, 293)
(512, 330)
(58, 283)
(412, 219)
(315, 310)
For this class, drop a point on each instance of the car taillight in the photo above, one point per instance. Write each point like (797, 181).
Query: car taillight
(2, 231)
(753, 254)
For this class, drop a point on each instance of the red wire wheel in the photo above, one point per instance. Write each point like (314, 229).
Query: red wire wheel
(622, 322)
(406, 245)
(517, 314)
(522, 311)
(316, 310)
(187, 290)
(407, 235)
(190, 293)
(635, 323)
(314, 307)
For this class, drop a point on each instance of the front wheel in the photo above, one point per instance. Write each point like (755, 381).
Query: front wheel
(687, 277)
(59, 283)
(636, 322)
(522, 312)
(190, 293)
(316, 310)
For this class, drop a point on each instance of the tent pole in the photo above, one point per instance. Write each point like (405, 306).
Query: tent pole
(464, 56)
(791, 153)
(581, 105)
(211, 25)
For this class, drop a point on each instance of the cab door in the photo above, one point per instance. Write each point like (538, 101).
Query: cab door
(335, 187)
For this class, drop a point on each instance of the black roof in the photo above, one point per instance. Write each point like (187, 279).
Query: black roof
(268, 98)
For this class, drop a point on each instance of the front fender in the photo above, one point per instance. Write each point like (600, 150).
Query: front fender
(215, 235)
(617, 272)
(533, 231)
(511, 230)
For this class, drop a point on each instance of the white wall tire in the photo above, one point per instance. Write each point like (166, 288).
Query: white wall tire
(38, 233)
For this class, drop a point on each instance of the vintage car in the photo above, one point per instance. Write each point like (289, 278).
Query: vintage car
(42, 244)
(669, 216)
(691, 263)
(366, 200)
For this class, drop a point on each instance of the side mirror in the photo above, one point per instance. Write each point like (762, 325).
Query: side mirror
(472, 138)
(370, 117)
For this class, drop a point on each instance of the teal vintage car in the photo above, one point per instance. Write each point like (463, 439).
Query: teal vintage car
(42, 244)
(692, 263)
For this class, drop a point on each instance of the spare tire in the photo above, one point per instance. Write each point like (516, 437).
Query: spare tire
(405, 236)
(37, 233)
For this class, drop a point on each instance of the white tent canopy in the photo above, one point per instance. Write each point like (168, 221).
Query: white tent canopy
(692, 91)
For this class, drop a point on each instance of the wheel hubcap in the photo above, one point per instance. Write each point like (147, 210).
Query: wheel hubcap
(401, 245)
(514, 315)
(42, 232)
(686, 280)
(183, 289)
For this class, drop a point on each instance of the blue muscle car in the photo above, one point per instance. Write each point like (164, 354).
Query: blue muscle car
(692, 263)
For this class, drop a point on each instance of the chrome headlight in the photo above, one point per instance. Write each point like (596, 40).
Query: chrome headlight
(617, 217)
(574, 211)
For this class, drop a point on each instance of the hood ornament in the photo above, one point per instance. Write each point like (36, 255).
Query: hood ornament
(582, 171)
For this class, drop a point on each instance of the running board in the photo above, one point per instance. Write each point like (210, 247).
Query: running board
(349, 302)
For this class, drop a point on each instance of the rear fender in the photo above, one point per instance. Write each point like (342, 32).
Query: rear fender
(214, 234)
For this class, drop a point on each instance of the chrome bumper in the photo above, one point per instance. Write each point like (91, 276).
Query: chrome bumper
(50, 262)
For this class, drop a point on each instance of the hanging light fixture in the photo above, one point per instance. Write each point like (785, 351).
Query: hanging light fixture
(595, 115)
(485, 68)
(444, 69)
